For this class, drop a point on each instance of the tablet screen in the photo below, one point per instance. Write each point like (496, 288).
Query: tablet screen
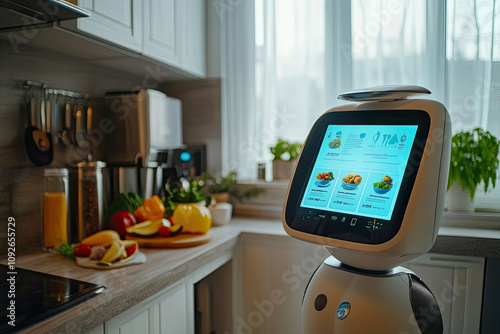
(356, 173)
(359, 169)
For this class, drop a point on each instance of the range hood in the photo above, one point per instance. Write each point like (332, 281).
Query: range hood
(16, 14)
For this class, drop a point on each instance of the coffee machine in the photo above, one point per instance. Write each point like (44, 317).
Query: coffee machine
(145, 126)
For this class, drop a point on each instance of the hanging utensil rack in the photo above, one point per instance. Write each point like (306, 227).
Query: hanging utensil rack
(54, 91)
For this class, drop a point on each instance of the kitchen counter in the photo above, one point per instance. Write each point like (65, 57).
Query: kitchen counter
(127, 286)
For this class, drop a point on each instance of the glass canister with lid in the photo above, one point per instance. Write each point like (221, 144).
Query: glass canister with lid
(91, 203)
(55, 208)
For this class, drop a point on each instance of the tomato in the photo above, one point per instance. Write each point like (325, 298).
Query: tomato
(120, 221)
(164, 231)
(82, 250)
(131, 250)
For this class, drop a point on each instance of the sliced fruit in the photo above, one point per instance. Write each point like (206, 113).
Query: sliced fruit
(102, 238)
(175, 230)
(113, 252)
(148, 228)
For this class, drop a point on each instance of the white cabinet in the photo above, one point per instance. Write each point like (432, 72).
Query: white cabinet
(174, 33)
(97, 330)
(272, 272)
(192, 35)
(170, 311)
(161, 35)
(116, 21)
(173, 311)
(166, 313)
(457, 284)
(171, 32)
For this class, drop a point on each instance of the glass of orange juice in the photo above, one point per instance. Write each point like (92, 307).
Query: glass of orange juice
(55, 208)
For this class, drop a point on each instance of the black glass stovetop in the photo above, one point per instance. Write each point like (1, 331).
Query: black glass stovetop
(38, 296)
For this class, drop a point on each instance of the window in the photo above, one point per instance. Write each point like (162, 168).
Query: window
(301, 54)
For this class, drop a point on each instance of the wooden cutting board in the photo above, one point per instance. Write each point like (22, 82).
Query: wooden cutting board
(179, 241)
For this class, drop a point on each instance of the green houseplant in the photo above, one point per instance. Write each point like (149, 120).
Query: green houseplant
(222, 188)
(474, 159)
(284, 156)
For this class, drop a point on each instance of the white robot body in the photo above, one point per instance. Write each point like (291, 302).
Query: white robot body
(375, 204)
(339, 300)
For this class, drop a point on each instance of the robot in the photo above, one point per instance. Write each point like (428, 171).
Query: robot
(369, 185)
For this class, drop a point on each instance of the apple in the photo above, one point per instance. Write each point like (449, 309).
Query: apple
(120, 221)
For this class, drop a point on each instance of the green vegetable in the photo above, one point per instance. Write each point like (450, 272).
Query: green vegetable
(125, 202)
(474, 158)
(193, 194)
(381, 185)
(66, 250)
(169, 207)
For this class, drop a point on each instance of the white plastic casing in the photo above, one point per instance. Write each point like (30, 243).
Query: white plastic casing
(423, 213)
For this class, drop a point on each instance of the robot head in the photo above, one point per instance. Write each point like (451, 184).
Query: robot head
(371, 179)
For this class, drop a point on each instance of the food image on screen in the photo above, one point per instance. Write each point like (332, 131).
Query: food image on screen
(334, 144)
(369, 170)
(383, 186)
(351, 181)
(323, 179)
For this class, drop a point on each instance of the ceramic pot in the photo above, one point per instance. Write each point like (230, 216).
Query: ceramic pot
(459, 200)
(282, 170)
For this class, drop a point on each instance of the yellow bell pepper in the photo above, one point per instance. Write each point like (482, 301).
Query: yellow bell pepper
(151, 209)
(194, 218)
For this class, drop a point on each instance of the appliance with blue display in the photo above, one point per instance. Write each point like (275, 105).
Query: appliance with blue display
(370, 185)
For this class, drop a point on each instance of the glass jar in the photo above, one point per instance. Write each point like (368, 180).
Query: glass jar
(91, 203)
(55, 208)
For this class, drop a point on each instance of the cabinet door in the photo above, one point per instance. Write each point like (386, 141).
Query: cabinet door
(192, 34)
(161, 40)
(116, 21)
(131, 324)
(173, 311)
(164, 313)
(457, 284)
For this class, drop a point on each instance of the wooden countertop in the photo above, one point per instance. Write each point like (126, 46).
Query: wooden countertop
(128, 286)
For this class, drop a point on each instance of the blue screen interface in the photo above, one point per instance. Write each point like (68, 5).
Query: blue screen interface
(359, 169)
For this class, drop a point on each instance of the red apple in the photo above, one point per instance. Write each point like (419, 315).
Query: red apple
(120, 221)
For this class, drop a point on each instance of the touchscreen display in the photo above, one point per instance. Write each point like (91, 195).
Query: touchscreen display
(359, 169)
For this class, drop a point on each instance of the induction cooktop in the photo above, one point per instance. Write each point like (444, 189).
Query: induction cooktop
(28, 297)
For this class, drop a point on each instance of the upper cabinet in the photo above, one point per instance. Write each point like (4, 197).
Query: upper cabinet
(171, 32)
(116, 21)
(161, 33)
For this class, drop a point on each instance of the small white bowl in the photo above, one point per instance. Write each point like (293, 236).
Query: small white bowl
(221, 213)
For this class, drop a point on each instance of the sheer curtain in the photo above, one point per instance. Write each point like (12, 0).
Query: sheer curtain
(307, 52)
(273, 78)
(473, 61)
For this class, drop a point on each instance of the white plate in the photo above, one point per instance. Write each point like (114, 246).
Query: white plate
(86, 262)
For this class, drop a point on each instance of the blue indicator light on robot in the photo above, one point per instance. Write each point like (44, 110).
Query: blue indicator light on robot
(185, 156)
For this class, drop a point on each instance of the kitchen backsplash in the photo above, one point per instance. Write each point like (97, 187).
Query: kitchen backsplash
(20, 180)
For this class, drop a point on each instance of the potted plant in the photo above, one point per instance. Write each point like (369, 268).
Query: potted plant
(220, 188)
(474, 159)
(284, 156)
